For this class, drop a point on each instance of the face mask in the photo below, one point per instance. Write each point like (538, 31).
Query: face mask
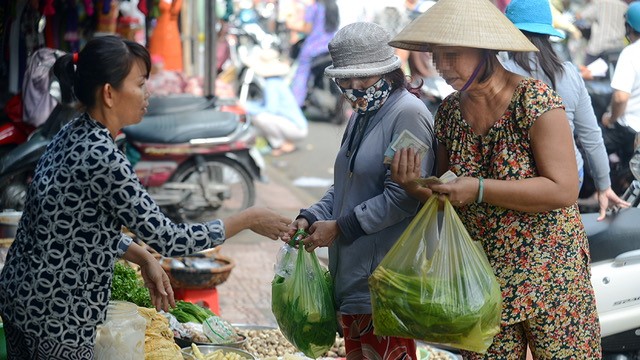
(369, 99)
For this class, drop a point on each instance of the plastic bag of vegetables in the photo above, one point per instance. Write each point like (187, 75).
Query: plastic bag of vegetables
(302, 301)
(436, 285)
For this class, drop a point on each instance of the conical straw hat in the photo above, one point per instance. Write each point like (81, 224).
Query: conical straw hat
(468, 23)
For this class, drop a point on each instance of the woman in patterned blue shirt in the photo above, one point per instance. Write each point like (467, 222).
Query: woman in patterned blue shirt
(56, 282)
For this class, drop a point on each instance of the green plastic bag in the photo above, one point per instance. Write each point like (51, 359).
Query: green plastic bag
(302, 301)
(437, 285)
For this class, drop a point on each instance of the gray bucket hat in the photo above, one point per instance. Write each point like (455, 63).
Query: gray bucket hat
(361, 49)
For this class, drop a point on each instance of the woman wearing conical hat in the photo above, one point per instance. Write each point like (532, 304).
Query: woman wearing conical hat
(508, 140)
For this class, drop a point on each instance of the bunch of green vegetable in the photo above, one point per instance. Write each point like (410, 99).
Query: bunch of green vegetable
(436, 284)
(190, 312)
(429, 309)
(303, 305)
(127, 286)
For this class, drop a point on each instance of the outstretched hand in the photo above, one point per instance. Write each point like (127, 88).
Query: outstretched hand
(268, 223)
(157, 281)
(608, 198)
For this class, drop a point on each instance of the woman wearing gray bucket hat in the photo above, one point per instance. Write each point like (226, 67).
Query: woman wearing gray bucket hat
(364, 212)
(533, 18)
(508, 140)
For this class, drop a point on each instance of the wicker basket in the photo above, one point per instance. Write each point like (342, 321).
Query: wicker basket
(190, 278)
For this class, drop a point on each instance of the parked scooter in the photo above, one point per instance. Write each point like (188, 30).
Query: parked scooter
(17, 165)
(195, 157)
(614, 245)
(13, 131)
(196, 165)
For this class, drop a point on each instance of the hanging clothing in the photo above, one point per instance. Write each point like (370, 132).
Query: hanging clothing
(165, 40)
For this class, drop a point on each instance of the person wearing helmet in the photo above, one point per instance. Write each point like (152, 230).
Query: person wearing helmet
(623, 122)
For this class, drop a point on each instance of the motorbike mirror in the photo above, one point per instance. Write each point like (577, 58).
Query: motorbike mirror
(54, 90)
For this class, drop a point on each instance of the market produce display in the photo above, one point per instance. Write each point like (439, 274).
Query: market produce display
(209, 353)
(189, 312)
(127, 286)
(158, 338)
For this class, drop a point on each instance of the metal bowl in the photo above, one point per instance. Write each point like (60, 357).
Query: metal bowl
(187, 352)
(9, 223)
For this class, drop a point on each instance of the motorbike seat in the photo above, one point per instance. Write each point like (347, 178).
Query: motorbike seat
(25, 154)
(613, 236)
(178, 104)
(181, 128)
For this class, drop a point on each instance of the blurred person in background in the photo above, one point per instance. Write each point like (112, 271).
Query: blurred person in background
(277, 117)
(607, 29)
(320, 23)
(534, 19)
(622, 123)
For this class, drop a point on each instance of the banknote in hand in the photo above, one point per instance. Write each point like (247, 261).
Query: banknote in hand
(406, 139)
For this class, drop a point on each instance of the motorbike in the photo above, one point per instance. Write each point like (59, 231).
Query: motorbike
(13, 131)
(197, 164)
(195, 157)
(614, 244)
(324, 101)
(17, 165)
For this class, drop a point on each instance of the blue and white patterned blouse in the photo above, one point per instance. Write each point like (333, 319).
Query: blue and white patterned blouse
(56, 282)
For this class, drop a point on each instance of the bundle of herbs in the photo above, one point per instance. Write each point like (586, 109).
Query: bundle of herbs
(302, 303)
(127, 286)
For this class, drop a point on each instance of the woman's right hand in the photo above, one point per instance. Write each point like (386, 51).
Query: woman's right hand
(405, 170)
(268, 223)
(297, 224)
(260, 220)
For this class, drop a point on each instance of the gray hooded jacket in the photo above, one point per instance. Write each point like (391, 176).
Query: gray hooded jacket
(371, 210)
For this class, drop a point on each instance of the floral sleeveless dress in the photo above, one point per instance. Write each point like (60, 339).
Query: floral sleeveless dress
(539, 258)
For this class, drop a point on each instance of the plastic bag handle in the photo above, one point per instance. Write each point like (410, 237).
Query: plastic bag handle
(297, 237)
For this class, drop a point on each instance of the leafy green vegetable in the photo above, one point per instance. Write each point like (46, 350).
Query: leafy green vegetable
(303, 305)
(126, 286)
(190, 312)
(398, 299)
(436, 284)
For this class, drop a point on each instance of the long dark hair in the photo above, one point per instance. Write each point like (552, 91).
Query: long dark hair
(331, 15)
(546, 58)
(104, 59)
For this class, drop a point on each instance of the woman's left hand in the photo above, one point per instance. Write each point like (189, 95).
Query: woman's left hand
(323, 233)
(157, 281)
(405, 170)
(607, 198)
(460, 191)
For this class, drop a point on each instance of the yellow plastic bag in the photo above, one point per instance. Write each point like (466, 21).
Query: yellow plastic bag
(436, 285)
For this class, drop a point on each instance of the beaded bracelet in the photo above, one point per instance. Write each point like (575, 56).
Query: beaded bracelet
(480, 189)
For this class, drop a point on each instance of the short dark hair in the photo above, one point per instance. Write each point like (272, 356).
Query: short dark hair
(103, 60)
